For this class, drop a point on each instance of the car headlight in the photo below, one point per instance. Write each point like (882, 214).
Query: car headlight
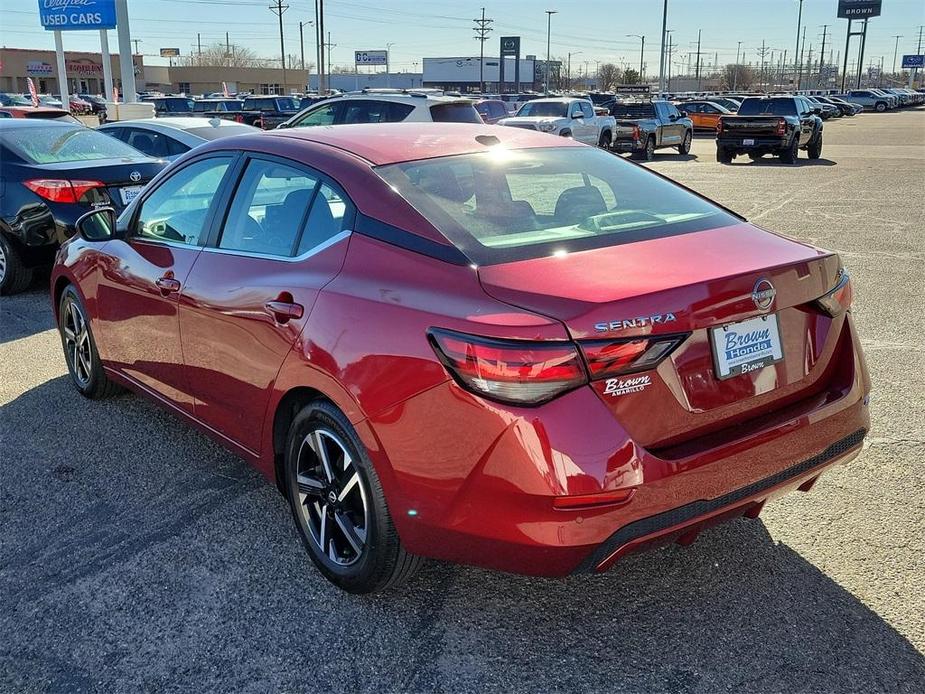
(547, 127)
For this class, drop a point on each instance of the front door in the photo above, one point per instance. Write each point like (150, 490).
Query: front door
(249, 295)
(143, 274)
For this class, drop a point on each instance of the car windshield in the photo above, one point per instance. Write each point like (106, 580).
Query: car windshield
(209, 132)
(768, 107)
(47, 145)
(548, 109)
(505, 205)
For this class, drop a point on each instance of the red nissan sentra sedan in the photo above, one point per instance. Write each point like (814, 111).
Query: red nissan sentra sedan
(474, 343)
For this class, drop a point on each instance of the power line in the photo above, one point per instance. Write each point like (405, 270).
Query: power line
(278, 10)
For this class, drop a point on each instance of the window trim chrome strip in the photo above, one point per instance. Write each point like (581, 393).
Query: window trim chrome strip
(314, 250)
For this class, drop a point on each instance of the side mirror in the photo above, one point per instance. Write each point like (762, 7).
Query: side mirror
(817, 111)
(97, 225)
(683, 114)
(672, 118)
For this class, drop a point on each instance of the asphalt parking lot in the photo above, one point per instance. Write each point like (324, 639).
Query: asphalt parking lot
(135, 554)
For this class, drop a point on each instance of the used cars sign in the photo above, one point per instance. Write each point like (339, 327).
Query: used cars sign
(71, 15)
(858, 9)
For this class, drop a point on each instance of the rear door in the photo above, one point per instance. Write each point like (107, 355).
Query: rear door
(142, 276)
(251, 291)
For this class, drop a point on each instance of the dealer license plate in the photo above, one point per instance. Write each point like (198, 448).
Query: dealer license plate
(746, 346)
(129, 193)
(748, 141)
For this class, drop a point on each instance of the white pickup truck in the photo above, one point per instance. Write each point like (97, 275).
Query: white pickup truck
(566, 117)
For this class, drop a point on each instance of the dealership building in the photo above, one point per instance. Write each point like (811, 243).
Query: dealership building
(462, 73)
(84, 71)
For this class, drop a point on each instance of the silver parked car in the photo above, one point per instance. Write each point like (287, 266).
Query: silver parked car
(168, 138)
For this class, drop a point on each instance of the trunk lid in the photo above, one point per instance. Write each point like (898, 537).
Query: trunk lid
(123, 178)
(686, 284)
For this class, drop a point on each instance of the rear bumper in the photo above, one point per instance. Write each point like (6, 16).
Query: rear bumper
(476, 484)
(759, 142)
(628, 145)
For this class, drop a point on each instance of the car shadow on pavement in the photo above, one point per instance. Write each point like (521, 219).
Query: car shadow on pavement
(774, 161)
(136, 554)
(25, 314)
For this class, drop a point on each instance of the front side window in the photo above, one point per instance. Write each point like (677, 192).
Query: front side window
(177, 210)
(505, 205)
(269, 209)
(587, 110)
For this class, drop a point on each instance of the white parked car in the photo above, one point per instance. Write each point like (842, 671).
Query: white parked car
(386, 106)
(168, 138)
(566, 117)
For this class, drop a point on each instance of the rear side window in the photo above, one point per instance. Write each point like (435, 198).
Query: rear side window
(331, 213)
(454, 113)
(269, 209)
(364, 111)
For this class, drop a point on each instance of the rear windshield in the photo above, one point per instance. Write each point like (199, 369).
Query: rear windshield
(208, 132)
(231, 105)
(178, 105)
(644, 110)
(768, 107)
(454, 113)
(46, 145)
(544, 109)
(505, 205)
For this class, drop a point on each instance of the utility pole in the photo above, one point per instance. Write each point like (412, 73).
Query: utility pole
(915, 71)
(319, 26)
(735, 68)
(809, 61)
(332, 45)
(698, 59)
(549, 14)
(661, 59)
(800, 70)
(199, 48)
(278, 8)
(642, 52)
(796, 53)
(482, 29)
(762, 52)
(302, 41)
(825, 28)
(136, 42)
(895, 51)
(568, 73)
(670, 52)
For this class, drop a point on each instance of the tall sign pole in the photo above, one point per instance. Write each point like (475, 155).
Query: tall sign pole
(661, 58)
(107, 64)
(62, 71)
(126, 62)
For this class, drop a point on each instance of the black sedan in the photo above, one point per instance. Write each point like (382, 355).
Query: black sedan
(52, 173)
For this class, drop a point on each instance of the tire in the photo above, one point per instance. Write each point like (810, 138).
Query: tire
(340, 505)
(790, 155)
(80, 353)
(14, 276)
(755, 156)
(880, 107)
(685, 146)
(604, 141)
(814, 150)
(565, 133)
(723, 156)
(647, 154)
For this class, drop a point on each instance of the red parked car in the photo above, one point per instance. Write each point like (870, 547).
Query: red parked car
(469, 342)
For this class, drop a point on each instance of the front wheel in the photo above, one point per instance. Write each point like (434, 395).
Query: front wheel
(339, 506)
(80, 353)
(685, 146)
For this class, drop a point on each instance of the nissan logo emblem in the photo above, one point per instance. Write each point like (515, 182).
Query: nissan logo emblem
(135, 176)
(763, 294)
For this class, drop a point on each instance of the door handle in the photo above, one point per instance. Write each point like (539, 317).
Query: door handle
(284, 311)
(167, 285)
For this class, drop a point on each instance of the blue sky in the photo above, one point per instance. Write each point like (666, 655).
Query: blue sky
(422, 28)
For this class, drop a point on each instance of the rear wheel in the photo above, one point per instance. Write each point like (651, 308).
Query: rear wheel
(647, 154)
(14, 276)
(790, 155)
(80, 353)
(604, 141)
(339, 506)
(880, 107)
(685, 146)
(814, 151)
(723, 155)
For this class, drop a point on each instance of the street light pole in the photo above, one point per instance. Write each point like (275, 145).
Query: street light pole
(568, 73)
(549, 14)
(388, 61)
(661, 59)
(642, 51)
(735, 69)
(796, 51)
(895, 51)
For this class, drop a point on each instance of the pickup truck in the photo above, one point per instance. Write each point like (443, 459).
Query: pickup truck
(779, 125)
(267, 111)
(645, 126)
(573, 118)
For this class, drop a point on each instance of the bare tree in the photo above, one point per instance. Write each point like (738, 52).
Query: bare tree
(740, 76)
(220, 55)
(608, 77)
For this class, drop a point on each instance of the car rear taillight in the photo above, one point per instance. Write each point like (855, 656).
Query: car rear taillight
(239, 118)
(719, 126)
(636, 133)
(61, 190)
(607, 358)
(838, 300)
(781, 126)
(517, 372)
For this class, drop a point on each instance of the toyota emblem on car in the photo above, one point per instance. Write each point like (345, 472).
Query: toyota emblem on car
(763, 294)
(135, 176)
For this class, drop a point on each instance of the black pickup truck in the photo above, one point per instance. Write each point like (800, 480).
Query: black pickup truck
(226, 109)
(644, 126)
(778, 125)
(268, 111)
